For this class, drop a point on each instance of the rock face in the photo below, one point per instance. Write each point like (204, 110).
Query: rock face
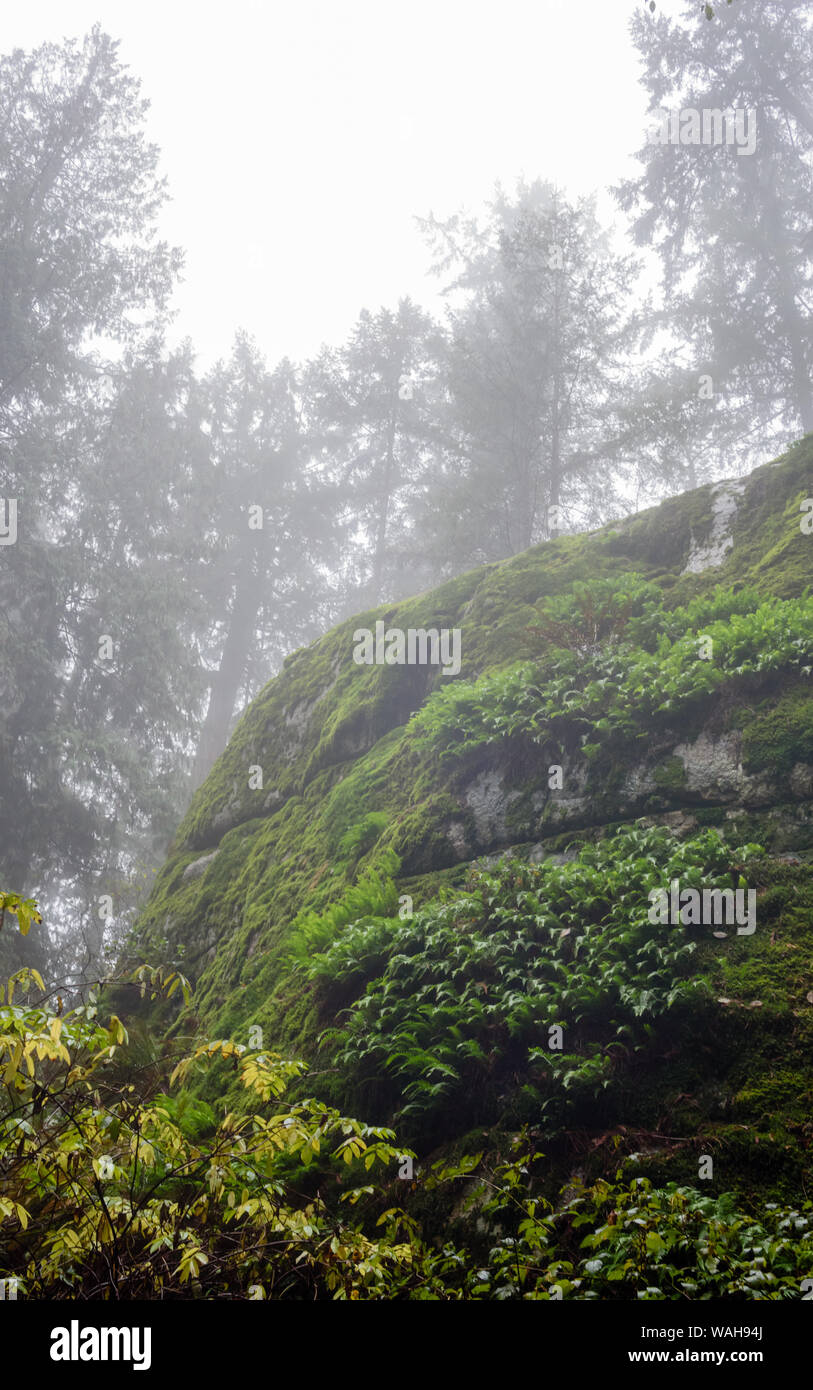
(326, 772)
(712, 552)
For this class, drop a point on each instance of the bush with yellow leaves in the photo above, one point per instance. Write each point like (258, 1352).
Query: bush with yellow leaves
(103, 1194)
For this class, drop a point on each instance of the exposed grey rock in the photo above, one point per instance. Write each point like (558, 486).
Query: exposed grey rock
(228, 815)
(680, 822)
(456, 835)
(713, 765)
(639, 782)
(801, 780)
(198, 868)
(714, 550)
(488, 802)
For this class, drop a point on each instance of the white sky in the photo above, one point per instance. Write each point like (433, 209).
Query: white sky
(301, 137)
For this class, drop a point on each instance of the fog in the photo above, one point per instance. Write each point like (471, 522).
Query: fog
(350, 348)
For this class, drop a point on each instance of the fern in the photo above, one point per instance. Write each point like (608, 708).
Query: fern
(445, 999)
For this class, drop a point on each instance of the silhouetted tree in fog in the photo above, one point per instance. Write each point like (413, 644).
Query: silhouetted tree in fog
(540, 332)
(731, 220)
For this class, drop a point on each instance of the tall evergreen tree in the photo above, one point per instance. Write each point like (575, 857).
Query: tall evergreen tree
(732, 227)
(271, 526)
(81, 269)
(375, 408)
(539, 335)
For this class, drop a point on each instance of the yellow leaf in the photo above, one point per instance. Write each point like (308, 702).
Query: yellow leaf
(14, 1062)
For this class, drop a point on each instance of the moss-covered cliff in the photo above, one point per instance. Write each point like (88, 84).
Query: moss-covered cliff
(412, 861)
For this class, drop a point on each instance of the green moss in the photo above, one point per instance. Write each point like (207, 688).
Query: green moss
(345, 780)
(670, 774)
(780, 735)
(764, 1098)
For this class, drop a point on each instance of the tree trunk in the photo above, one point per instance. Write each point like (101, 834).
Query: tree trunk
(778, 256)
(225, 682)
(555, 482)
(376, 582)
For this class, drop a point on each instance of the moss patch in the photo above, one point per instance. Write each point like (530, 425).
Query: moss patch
(345, 780)
(780, 735)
